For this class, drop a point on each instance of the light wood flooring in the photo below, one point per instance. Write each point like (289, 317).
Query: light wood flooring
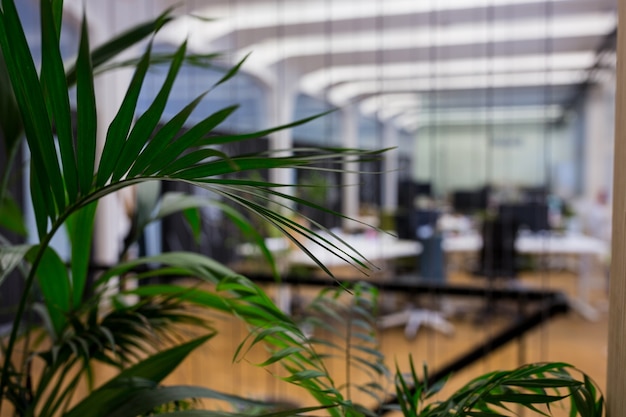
(568, 338)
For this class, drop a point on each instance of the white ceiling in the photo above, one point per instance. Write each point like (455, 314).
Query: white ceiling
(403, 58)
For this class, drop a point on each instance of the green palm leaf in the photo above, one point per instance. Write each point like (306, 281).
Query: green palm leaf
(64, 192)
(80, 230)
(120, 126)
(148, 121)
(187, 140)
(163, 137)
(86, 114)
(146, 400)
(11, 257)
(55, 86)
(30, 99)
(146, 374)
(54, 283)
(11, 217)
(122, 42)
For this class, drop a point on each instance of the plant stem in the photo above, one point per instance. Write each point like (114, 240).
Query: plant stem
(30, 279)
(4, 183)
(348, 355)
(28, 283)
(51, 405)
(19, 313)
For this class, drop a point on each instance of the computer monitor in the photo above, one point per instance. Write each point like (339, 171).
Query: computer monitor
(468, 202)
(532, 215)
(423, 188)
(409, 190)
(535, 194)
(424, 222)
(408, 224)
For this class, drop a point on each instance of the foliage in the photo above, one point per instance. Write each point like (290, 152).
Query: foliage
(342, 321)
(347, 329)
(144, 333)
(538, 387)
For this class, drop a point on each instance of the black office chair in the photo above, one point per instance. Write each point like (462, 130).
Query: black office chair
(498, 256)
(430, 268)
(498, 259)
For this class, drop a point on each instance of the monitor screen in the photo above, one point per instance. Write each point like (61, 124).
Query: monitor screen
(469, 202)
(423, 188)
(409, 224)
(533, 215)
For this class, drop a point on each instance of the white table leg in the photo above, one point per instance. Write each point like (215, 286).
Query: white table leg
(581, 303)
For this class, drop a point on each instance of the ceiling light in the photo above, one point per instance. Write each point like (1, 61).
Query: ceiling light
(273, 50)
(389, 105)
(260, 14)
(316, 82)
(345, 93)
(487, 115)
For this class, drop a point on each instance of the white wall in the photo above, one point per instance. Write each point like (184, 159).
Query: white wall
(466, 157)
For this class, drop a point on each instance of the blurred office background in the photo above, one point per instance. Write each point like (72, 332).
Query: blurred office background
(491, 107)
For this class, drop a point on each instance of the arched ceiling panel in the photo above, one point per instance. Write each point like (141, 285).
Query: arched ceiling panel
(347, 50)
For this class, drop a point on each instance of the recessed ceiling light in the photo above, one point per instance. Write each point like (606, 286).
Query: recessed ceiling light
(316, 82)
(345, 93)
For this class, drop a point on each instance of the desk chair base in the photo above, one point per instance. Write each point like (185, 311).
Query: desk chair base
(413, 319)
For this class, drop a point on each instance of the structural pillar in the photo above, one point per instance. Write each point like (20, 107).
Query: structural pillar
(390, 168)
(350, 177)
(281, 103)
(616, 377)
(281, 100)
(111, 221)
(598, 147)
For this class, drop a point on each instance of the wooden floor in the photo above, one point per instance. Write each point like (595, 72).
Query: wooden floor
(568, 338)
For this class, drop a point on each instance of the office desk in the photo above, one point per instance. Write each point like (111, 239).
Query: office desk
(585, 248)
(376, 248)
(373, 247)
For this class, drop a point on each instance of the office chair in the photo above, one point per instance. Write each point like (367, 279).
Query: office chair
(431, 268)
(498, 256)
(498, 259)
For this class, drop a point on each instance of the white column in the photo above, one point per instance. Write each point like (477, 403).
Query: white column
(598, 143)
(350, 190)
(111, 220)
(616, 378)
(280, 110)
(390, 168)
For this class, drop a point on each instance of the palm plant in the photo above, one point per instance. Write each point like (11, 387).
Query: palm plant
(77, 327)
(539, 387)
(44, 362)
(345, 328)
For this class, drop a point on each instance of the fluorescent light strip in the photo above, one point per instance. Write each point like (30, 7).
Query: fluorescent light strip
(371, 105)
(344, 93)
(414, 120)
(266, 53)
(316, 82)
(385, 108)
(388, 112)
(260, 14)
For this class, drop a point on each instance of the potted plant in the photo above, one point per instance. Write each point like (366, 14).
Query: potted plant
(343, 326)
(79, 323)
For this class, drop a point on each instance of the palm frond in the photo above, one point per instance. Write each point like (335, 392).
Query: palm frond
(65, 187)
(348, 328)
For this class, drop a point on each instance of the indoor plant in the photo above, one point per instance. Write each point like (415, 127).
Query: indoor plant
(80, 327)
(344, 326)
